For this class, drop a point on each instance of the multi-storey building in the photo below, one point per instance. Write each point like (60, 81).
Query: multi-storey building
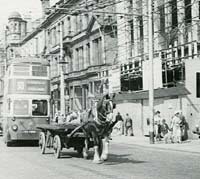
(84, 38)
(103, 46)
(2, 72)
(176, 59)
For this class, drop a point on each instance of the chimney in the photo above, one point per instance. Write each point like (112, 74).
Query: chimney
(45, 6)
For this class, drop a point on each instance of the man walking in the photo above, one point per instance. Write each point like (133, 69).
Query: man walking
(128, 126)
(120, 122)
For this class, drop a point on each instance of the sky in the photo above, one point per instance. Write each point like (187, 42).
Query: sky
(22, 6)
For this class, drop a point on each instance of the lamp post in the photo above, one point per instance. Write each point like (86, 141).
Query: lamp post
(151, 76)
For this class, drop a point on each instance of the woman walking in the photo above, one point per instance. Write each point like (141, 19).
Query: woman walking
(176, 127)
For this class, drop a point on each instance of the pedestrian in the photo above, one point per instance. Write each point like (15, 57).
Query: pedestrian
(120, 123)
(61, 119)
(55, 120)
(184, 127)
(128, 125)
(157, 125)
(165, 131)
(176, 127)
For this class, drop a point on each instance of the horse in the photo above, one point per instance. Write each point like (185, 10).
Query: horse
(98, 126)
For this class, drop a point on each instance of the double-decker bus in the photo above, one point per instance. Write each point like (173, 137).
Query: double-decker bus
(26, 99)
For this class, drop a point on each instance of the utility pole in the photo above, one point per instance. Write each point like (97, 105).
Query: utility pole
(151, 76)
(62, 80)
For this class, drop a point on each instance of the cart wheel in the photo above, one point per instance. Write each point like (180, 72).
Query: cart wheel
(57, 146)
(42, 142)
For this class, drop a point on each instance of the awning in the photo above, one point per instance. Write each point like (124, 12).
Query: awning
(158, 93)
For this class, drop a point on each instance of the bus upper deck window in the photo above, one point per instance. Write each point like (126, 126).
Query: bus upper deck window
(39, 71)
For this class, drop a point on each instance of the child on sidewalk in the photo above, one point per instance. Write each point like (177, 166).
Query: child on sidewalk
(166, 133)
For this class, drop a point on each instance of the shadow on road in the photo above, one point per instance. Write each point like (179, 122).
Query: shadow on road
(119, 159)
(24, 144)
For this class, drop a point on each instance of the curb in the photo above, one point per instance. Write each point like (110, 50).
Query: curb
(158, 148)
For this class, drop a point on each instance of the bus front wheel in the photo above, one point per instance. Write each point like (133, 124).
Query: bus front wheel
(42, 142)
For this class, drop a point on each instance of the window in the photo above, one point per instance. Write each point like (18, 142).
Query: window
(131, 31)
(188, 11)
(81, 58)
(78, 97)
(161, 10)
(88, 53)
(39, 107)
(69, 25)
(11, 53)
(21, 70)
(20, 107)
(39, 71)
(131, 77)
(199, 9)
(140, 19)
(77, 60)
(97, 47)
(173, 73)
(80, 23)
(198, 84)
(174, 13)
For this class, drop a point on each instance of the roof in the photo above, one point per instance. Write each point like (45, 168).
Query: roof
(15, 15)
(158, 93)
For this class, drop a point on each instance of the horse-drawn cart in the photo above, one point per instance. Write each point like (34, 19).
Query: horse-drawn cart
(59, 136)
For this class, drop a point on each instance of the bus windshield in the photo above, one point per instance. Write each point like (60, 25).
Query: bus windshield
(39, 107)
(21, 107)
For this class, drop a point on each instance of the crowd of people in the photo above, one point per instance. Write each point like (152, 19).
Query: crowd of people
(174, 132)
(71, 117)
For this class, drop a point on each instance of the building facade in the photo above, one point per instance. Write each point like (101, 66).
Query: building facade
(176, 60)
(84, 38)
(102, 46)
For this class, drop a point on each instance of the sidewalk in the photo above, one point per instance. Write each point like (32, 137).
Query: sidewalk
(190, 146)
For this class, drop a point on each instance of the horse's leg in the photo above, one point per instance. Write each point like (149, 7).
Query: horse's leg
(96, 158)
(85, 149)
(105, 152)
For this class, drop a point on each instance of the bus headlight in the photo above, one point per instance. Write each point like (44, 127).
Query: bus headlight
(14, 127)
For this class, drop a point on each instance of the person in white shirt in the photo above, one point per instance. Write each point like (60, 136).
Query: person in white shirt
(157, 125)
(176, 127)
